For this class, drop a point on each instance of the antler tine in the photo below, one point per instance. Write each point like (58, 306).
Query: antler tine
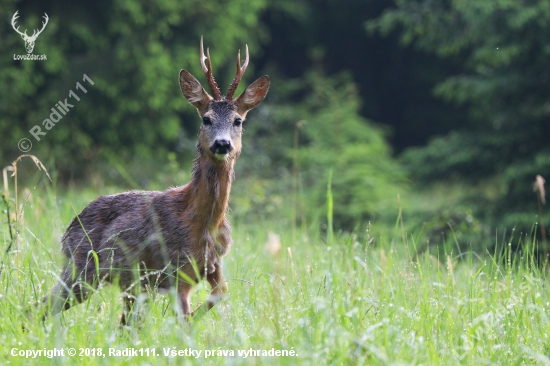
(46, 18)
(203, 58)
(13, 19)
(36, 31)
(208, 72)
(239, 74)
(245, 59)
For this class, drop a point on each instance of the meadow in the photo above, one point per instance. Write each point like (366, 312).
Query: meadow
(346, 298)
(428, 118)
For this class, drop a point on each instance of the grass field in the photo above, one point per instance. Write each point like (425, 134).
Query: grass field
(358, 299)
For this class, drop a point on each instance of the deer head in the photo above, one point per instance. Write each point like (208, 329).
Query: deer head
(222, 117)
(29, 40)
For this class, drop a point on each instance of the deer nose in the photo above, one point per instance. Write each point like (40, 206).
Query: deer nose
(221, 147)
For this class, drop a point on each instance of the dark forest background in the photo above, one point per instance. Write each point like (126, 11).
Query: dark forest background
(436, 108)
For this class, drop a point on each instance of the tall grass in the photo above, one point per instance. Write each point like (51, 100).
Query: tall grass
(356, 299)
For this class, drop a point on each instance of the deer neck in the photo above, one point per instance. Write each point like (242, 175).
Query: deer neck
(211, 186)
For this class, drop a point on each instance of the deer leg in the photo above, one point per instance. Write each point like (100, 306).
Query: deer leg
(219, 289)
(59, 298)
(219, 286)
(127, 315)
(184, 290)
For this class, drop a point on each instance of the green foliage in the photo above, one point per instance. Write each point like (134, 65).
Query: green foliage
(134, 116)
(313, 126)
(133, 52)
(365, 180)
(444, 215)
(502, 47)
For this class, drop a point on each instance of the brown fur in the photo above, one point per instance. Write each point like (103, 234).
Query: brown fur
(162, 233)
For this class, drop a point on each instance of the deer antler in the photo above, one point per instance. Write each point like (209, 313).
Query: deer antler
(238, 76)
(208, 72)
(35, 35)
(13, 19)
(24, 34)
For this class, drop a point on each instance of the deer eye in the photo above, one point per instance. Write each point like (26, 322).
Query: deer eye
(237, 122)
(206, 121)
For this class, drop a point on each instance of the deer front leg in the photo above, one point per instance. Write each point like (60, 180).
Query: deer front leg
(184, 290)
(219, 289)
(219, 286)
(128, 314)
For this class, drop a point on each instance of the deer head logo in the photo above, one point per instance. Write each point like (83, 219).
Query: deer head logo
(29, 40)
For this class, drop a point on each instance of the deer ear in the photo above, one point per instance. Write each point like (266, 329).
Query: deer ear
(253, 95)
(193, 91)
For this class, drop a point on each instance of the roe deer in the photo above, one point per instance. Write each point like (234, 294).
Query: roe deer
(165, 233)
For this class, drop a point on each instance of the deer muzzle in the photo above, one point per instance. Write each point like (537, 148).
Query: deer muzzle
(221, 147)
